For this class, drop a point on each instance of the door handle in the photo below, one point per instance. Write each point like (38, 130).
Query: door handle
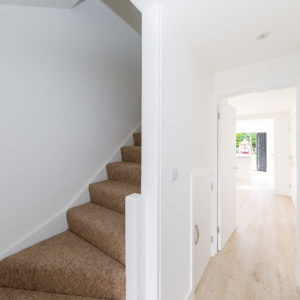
(197, 234)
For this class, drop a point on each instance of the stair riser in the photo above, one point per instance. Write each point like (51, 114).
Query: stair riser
(131, 154)
(84, 277)
(112, 196)
(99, 235)
(124, 174)
(109, 200)
(60, 285)
(137, 137)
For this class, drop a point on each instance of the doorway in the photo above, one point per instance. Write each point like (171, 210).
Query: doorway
(261, 151)
(258, 159)
(255, 149)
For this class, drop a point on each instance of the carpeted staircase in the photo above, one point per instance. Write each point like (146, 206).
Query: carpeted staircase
(88, 260)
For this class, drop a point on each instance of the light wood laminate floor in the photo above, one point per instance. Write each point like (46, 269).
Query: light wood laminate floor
(259, 261)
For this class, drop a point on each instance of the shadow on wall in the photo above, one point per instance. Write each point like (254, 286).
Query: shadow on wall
(127, 11)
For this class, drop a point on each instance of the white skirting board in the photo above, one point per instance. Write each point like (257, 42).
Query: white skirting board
(58, 223)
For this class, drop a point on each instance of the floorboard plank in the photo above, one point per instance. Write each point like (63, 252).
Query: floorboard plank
(259, 261)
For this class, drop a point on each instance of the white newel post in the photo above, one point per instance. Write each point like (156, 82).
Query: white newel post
(135, 247)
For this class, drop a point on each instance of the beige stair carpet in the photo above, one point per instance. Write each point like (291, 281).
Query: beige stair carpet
(88, 260)
(137, 137)
(16, 294)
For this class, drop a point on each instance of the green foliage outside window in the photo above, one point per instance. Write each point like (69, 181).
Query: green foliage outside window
(250, 137)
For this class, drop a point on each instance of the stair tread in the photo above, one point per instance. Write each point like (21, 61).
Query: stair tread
(111, 194)
(17, 294)
(125, 164)
(102, 227)
(65, 264)
(128, 172)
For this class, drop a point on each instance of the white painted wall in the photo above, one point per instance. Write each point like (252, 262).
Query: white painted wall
(42, 3)
(274, 73)
(298, 183)
(293, 154)
(266, 102)
(177, 110)
(70, 94)
(282, 178)
(186, 146)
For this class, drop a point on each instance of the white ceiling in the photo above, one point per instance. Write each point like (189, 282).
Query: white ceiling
(264, 102)
(42, 3)
(124, 8)
(225, 31)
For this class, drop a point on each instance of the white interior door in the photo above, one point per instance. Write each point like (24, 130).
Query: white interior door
(202, 200)
(226, 173)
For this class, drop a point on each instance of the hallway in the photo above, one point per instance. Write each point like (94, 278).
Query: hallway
(259, 261)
